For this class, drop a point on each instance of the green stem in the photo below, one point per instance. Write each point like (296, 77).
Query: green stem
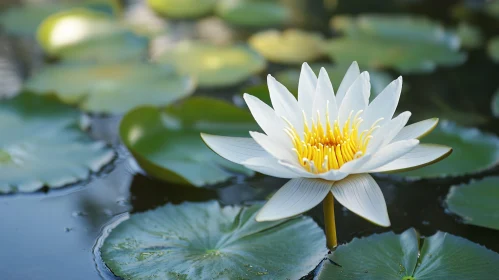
(329, 223)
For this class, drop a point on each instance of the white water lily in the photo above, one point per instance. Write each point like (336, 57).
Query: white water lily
(326, 142)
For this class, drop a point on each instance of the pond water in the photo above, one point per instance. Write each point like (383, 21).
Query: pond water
(52, 234)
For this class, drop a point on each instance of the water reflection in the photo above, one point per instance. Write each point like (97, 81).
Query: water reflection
(50, 236)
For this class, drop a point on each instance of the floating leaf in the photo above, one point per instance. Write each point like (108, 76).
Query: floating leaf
(182, 8)
(121, 46)
(476, 202)
(167, 143)
(253, 13)
(471, 37)
(207, 241)
(390, 256)
(214, 66)
(24, 20)
(112, 87)
(408, 44)
(42, 145)
(292, 46)
(493, 49)
(495, 104)
(72, 27)
(473, 151)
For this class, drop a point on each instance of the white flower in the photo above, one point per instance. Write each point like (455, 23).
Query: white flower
(326, 142)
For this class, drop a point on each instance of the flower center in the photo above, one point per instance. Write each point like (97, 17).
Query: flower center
(329, 147)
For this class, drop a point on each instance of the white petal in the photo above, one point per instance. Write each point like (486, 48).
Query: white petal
(362, 195)
(346, 169)
(270, 166)
(298, 169)
(306, 89)
(350, 76)
(355, 98)
(384, 105)
(333, 175)
(420, 156)
(235, 149)
(284, 103)
(416, 130)
(295, 197)
(387, 132)
(272, 147)
(388, 154)
(324, 99)
(267, 119)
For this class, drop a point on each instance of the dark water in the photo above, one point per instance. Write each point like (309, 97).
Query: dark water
(51, 235)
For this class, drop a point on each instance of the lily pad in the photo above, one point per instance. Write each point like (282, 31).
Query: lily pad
(207, 241)
(473, 151)
(122, 46)
(390, 256)
(44, 145)
(495, 104)
(292, 46)
(24, 20)
(182, 8)
(75, 26)
(167, 145)
(476, 202)
(111, 87)
(214, 66)
(471, 37)
(254, 13)
(493, 49)
(408, 44)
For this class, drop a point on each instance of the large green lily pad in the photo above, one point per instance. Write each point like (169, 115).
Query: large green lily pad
(24, 20)
(493, 49)
(473, 151)
(291, 46)
(167, 142)
(476, 202)
(207, 241)
(43, 145)
(254, 13)
(408, 44)
(182, 8)
(214, 66)
(389, 256)
(122, 46)
(111, 87)
(73, 27)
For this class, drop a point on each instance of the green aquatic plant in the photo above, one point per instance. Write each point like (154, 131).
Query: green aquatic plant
(208, 241)
(45, 145)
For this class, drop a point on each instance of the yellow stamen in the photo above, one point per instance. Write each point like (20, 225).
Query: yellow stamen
(329, 146)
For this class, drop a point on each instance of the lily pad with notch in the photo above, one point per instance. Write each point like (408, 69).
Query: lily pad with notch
(212, 65)
(393, 256)
(112, 87)
(166, 142)
(476, 202)
(43, 145)
(408, 44)
(473, 151)
(208, 241)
